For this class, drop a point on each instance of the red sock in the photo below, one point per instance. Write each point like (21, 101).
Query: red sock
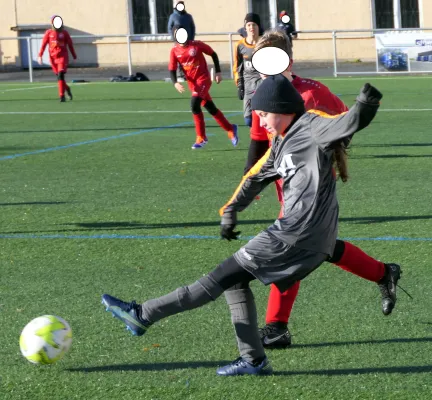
(357, 262)
(199, 126)
(280, 304)
(222, 121)
(61, 88)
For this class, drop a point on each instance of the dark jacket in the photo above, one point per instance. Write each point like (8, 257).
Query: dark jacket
(185, 20)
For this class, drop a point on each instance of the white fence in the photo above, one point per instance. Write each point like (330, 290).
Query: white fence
(340, 47)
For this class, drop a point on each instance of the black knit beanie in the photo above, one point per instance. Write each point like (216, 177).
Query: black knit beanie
(252, 17)
(277, 95)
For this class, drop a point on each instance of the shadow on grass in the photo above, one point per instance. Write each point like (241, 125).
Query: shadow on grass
(33, 203)
(385, 156)
(415, 369)
(132, 225)
(153, 367)
(394, 145)
(383, 341)
(142, 225)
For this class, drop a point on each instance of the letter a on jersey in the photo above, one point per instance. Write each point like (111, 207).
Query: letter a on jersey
(287, 167)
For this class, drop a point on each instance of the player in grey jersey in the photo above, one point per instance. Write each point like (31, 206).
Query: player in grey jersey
(294, 245)
(246, 77)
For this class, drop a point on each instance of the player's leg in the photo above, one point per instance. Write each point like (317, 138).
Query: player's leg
(252, 360)
(61, 70)
(138, 318)
(198, 117)
(67, 87)
(217, 114)
(259, 143)
(54, 67)
(275, 333)
(199, 293)
(352, 259)
(257, 149)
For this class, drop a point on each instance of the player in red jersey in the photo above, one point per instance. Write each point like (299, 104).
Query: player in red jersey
(319, 99)
(190, 55)
(59, 42)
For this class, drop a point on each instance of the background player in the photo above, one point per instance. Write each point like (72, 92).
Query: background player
(59, 41)
(246, 77)
(190, 55)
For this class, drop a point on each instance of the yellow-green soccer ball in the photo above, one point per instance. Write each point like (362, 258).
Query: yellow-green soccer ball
(46, 339)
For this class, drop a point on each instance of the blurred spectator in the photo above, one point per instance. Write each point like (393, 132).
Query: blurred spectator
(181, 18)
(286, 27)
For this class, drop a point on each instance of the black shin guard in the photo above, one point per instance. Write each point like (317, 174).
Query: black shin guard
(211, 107)
(196, 105)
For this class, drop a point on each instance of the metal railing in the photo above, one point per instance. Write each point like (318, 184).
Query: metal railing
(333, 35)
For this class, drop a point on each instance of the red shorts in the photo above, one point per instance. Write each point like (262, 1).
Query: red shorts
(200, 89)
(59, 64)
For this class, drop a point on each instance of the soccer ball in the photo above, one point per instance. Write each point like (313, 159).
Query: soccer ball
(46, 339)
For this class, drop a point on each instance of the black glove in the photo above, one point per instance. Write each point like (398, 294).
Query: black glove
(240, 89)
(227, 232)
(369, 95)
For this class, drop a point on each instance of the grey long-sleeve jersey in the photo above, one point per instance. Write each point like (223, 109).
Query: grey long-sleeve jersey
(303, 159)
(243, 68)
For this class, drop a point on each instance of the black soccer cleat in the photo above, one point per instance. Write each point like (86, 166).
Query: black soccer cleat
(69, 93)
(128, 313)
(275, 335)
(62, 99)
(387, 286)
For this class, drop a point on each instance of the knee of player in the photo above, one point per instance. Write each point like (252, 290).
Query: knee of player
(196, 105)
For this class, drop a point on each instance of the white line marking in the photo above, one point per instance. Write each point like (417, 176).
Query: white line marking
(167, 111)
(372, 77)
(36, 87)
(27, 88)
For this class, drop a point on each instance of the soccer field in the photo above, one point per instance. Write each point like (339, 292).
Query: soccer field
(104, 195)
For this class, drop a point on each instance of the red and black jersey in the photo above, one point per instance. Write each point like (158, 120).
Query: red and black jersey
(192, 60)
(316, 96)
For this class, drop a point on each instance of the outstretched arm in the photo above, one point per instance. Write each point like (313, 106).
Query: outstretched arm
(328, 129)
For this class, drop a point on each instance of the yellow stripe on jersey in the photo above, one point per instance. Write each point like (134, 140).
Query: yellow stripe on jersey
(324, 114)
(253, 171)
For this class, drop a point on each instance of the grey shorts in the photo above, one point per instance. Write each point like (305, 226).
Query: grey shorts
(250, 90)
(247, 109)
(272, 261)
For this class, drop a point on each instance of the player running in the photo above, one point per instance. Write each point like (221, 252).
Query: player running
(294, 245)
(190, 55)
(346, 256)
(59, 42)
